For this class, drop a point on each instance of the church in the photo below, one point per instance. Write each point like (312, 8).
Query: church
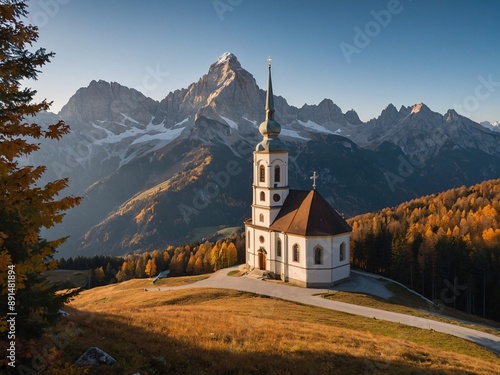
(293, 235)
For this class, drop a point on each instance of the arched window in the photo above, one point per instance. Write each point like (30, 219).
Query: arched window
(318, 255)
(278, 248)
(262, 174)
(277, 174)
(261, 218)
(262, 196)
(248, 239)
(342, 252)
(295, 251)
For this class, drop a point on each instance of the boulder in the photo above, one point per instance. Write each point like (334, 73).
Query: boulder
(94, 356)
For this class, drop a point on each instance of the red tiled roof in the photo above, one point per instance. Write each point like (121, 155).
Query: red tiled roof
(307, 213)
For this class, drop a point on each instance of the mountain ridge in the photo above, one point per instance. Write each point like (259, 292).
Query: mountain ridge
(123, 144)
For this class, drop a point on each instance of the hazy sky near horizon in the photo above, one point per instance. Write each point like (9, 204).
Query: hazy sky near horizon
(362, 54)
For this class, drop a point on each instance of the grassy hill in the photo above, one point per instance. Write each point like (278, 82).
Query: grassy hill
(210, 331)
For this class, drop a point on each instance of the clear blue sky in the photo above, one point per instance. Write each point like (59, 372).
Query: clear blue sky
(443, 53)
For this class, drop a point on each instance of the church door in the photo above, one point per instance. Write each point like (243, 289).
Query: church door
(262, 260)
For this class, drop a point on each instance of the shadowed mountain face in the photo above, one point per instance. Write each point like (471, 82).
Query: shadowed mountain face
(157, 173)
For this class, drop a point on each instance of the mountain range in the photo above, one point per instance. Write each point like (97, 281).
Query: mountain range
(154, 173)
(495, 126)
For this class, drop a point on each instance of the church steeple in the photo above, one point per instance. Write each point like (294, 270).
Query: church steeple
(269, 94)
(270, 128)
(270, 163)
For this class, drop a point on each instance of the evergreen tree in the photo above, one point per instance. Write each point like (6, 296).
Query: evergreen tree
(25, 204)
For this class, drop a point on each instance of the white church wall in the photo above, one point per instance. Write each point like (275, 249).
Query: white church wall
(261, 217)
(330, 269)
(342, 269)
(297, 270)
(260, 240)
(341, 273)
(338, 240)
(250, 241)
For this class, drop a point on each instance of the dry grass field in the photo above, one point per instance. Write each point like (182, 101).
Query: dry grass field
(405, 302)
(71, 277)
(214, 331)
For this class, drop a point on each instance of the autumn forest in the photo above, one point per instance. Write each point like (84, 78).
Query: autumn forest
(445, 246)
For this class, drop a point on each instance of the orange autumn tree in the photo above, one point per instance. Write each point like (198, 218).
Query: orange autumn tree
(26, 205)
(151, 268)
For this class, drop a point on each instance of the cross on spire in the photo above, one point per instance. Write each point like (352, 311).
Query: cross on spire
(269, 61)
(314, 177)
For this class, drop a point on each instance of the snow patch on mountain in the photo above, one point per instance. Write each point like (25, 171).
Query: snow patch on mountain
(129, 119)
(252, 121)
(223, 58)
(316, 127)
(166, 135)
(293, 134)
(182, 122)
(230, 122)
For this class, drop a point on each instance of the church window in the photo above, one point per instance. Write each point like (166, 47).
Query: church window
(261, 218)
(318, 255)
(342, 252)
(248, 239)
(276, 197)
(262, 174)
(295, 250)
(262, 196)
(278, 247)
(277, 174)
(261, 239)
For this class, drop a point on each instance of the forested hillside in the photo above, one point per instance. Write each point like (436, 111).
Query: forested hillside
(193, 259)
(445, 246)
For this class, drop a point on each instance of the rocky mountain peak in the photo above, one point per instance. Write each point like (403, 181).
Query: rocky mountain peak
(226, 90)
(352, 117)
(420, 113)
(225, 68)
(106, 102)
(226, 58)
(389, 115)
(404, 111)
(451, 115)
(420, 107)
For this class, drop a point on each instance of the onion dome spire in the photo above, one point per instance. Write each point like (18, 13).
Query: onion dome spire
(270, 128)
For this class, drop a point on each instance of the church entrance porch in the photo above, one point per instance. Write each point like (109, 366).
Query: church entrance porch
(262, 259)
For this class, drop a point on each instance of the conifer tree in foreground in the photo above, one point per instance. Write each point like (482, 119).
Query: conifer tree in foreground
(25, 205)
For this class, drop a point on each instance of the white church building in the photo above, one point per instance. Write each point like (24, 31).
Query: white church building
(294, 235)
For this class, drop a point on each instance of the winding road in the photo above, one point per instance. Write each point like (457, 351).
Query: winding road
(310, 296)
